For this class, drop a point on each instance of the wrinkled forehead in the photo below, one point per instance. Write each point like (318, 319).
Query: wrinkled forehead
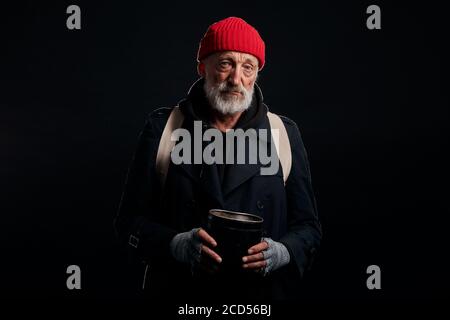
(236, 56)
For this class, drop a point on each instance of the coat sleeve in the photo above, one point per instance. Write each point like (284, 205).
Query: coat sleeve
(138, 221)
(304, 229)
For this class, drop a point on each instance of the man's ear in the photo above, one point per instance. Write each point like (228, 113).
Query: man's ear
(201, 69)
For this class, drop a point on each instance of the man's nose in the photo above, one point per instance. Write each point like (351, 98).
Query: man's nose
(235, 77)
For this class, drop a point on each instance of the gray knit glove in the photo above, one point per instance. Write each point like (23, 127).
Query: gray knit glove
(186, 247)
(276, 255)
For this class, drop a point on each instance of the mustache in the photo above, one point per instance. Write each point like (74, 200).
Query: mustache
(226, 88)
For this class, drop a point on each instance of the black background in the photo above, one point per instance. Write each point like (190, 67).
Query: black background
(371, 105)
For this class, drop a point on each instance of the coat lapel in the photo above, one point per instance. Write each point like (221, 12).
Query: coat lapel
(237, 174)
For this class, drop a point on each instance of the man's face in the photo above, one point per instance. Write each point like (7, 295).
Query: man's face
(229, 80)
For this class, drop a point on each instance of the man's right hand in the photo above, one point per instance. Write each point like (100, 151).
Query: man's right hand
(195, 248)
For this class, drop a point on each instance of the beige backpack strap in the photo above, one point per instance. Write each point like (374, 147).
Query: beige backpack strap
(282, 144)
(166, 144)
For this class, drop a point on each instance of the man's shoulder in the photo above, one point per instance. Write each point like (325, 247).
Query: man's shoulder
(292, 130)
(156, 120)
(160, 113)
(288, 121)
(159, 116)
(290, 125)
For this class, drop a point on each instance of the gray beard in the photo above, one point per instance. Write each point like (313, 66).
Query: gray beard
(228, 104)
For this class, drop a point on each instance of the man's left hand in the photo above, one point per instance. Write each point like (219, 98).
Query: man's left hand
(266, 256)
(255, 260)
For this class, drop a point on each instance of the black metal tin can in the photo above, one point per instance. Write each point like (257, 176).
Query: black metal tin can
(235, 233)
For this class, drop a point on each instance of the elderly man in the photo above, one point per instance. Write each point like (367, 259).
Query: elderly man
(162, 218)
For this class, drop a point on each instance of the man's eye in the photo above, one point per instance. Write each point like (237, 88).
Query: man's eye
(224, 64)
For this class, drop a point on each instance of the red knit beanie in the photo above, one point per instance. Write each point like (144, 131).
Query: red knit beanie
(232, 34)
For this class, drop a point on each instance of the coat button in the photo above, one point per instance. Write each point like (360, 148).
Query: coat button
(260, 205)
